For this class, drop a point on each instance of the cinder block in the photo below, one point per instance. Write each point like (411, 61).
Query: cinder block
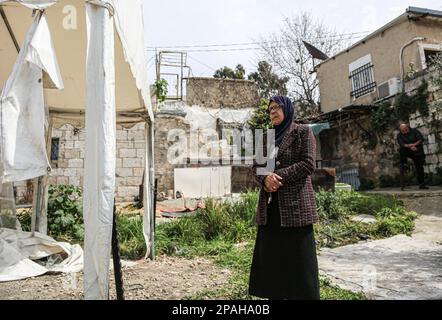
(132, 163)
(75, 163)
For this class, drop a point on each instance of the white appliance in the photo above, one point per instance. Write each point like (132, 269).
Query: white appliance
(389, 88)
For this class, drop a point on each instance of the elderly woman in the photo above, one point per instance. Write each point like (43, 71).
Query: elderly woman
(284, 260)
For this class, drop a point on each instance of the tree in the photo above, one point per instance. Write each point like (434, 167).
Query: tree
(436, 65)
(227, 73)
(287, 53)
(260, 118)
(161, 89)
(268, 82)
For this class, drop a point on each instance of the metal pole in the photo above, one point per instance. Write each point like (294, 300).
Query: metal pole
(154, 219)
(157, 62)
(181, 80)
(116, 258)
(8, 26)
(36, 206)
(150, 187)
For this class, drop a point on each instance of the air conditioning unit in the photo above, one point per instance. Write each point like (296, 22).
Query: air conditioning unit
(390, 88)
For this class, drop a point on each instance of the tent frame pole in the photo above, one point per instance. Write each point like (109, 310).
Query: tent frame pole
(116, 258)
(41, 191)
(8, 26)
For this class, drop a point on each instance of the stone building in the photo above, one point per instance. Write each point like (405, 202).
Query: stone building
(376, 70)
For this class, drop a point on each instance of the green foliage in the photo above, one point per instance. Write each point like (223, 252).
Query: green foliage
(394, 221)
(333, 292)
(381, 117)
(260, 118)
(405, 104)
(336, 210)
(25, 219)
(435, 179)
(366, 185)
(215, 228)
(268, 82)
(65, 213)
(386, 181)
(436, 65)
(161, 89)
(227, 73)
(131, 237)
(384, 117)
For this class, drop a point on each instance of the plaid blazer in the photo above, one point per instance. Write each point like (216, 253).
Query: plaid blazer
(295, 163)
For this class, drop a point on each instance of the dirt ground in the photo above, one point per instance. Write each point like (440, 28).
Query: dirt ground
(167, 278)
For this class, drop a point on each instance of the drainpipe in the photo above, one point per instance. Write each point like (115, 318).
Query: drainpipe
(401, 58)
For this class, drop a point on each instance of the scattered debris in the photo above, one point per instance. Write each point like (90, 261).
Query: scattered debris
(364, 218)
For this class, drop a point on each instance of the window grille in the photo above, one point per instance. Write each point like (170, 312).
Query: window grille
(362, 80)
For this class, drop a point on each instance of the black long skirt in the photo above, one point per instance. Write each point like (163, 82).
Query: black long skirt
(284, 264)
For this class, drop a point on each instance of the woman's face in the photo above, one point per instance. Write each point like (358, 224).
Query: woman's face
(276, 114)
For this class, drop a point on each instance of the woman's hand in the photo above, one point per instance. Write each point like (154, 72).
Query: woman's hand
(272, 183)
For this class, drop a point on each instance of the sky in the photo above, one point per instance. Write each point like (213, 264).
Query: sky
(173, 23)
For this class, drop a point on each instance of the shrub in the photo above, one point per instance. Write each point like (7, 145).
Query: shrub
(393, 221)
(366, 185)
(65, 213)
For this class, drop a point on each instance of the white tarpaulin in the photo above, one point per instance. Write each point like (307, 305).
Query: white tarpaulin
(20, 250)
(99, 178)
(23, 145)
(130, 28)
(35, 4)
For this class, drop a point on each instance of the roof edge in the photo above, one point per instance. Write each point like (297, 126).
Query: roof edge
(403, 17)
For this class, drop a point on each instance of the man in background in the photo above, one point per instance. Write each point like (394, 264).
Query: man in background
(411, 146)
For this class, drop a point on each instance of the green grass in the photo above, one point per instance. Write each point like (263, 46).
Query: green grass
(336, 210)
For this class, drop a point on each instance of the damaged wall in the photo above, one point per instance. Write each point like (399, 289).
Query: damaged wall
(210, 104)
(218, 93)
(164, 171)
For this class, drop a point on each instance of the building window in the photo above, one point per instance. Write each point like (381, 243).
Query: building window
(430, 55)
(428, 52)
(362, 77)
(55, 147)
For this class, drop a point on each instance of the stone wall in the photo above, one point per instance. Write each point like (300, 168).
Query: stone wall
(164, 170)
(346, 143)
(69, 168)
(216, 93)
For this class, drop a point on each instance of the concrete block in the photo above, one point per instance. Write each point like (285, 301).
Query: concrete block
(121, 135)
(79, 144)
(124, 172)
(75, 181)
(62, 180)
(140, 153)
(132, 163)
(70, 172)
(127, 153)
(138, 172)
(75, 163)
(133, 181)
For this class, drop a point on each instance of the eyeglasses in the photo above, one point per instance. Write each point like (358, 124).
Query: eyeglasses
(274, 108)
